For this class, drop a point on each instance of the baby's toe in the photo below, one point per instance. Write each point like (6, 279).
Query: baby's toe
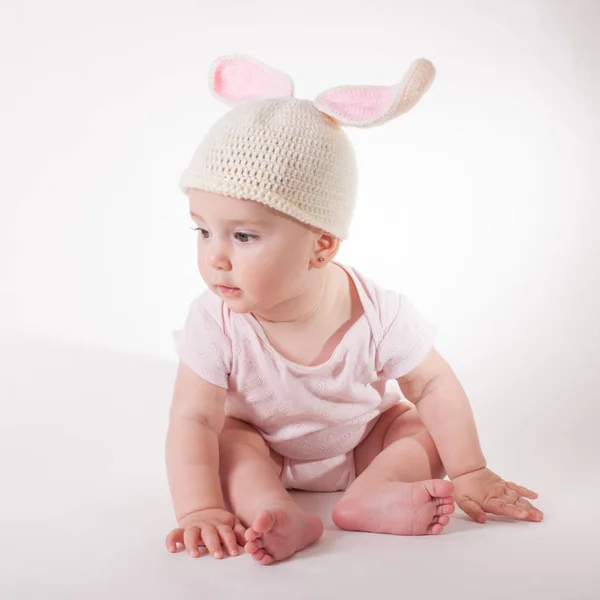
(259, 554)
(445, 509)
(251, 534)
(435, 529)
(267, 559)
(439, 488)
(253, 546)
(443, 520)
(264, 522)
(445, 500)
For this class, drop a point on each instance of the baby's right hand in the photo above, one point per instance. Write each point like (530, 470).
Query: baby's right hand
(209, 527)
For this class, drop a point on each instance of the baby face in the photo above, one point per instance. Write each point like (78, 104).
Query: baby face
(252, 256)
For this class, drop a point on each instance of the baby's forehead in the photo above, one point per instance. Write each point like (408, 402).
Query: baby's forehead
(210, 205)
(220, 206)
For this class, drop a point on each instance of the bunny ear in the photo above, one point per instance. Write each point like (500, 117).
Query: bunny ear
(370, 105)
(238, 78)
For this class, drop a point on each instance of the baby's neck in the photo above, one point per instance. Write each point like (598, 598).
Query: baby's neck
(312, 338)
(311, 308)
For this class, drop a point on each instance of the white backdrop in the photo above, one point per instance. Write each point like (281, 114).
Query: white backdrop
(482, 203)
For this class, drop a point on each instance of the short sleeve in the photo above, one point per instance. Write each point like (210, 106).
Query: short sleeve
(407, 337)
(202, 343)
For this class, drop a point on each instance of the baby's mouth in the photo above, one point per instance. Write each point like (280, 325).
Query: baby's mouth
(224, 289)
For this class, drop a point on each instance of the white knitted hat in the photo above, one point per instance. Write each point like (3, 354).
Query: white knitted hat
(288, 153)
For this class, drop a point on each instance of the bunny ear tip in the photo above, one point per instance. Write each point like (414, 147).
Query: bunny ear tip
(227, 58)
(425, 63)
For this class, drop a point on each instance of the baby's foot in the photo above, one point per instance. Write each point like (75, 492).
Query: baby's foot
(281, 531)
(398, 508)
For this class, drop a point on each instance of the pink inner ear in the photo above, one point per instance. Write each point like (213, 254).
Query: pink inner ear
(239, 79)
(359, 103)
(371, 105)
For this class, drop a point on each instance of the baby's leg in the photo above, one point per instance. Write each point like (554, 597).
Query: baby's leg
(385, 497)
(249, 469)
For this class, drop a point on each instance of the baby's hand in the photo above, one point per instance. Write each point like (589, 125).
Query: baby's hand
(208, 527)
(483, 491)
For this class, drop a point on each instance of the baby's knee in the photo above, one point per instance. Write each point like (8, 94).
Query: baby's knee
(435, 461)
(410, 425)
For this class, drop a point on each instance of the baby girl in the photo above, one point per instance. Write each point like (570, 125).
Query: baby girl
(285, 359)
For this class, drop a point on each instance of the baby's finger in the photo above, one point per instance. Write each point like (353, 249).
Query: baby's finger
(530, 506)
(229, 540)
(535, 514)
(211, 540)
(509, 495)
(472, 509)
(240, 534)
(522, 491)
(191, 539)
(175, 537)
(502, 508)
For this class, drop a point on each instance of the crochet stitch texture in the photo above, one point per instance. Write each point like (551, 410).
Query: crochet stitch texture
(284, 153)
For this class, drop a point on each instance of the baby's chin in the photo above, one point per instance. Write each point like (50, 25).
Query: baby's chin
(239, 305)
(242, 302)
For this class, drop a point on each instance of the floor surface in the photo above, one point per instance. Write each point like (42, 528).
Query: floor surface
(85, 508)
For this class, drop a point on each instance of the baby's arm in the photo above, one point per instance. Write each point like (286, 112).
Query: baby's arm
(446, 413)
(196, 419)
(192, 450)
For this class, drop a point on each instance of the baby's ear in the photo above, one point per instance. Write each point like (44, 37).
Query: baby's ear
(239, 78)
(370, 105)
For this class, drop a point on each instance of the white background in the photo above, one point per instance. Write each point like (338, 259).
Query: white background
(482, 204)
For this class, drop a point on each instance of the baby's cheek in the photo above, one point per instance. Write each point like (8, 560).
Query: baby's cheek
(260, 283)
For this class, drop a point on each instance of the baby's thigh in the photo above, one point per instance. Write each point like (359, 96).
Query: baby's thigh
(373, 444)
(239, 436)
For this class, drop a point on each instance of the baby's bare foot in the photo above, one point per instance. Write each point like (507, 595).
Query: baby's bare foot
(281, 531)
(396, 507)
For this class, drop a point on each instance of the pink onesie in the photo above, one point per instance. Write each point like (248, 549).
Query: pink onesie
(314, 416)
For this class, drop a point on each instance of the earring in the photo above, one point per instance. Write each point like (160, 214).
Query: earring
(321, 259)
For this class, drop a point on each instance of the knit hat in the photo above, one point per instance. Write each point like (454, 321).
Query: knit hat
(289, 153)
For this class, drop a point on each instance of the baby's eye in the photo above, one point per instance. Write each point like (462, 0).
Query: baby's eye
(245, 237)
(202, 232)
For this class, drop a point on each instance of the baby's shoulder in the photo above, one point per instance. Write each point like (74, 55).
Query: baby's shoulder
(381, 304)
(378, 297)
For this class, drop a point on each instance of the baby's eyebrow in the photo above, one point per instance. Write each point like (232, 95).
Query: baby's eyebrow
(235, 221)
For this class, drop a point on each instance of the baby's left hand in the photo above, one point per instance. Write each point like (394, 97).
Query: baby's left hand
(483, 491)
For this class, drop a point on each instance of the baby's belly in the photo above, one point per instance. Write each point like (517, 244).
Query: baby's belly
(301, 441)
(307, 433)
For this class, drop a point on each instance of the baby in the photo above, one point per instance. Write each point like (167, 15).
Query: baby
(285, 359)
